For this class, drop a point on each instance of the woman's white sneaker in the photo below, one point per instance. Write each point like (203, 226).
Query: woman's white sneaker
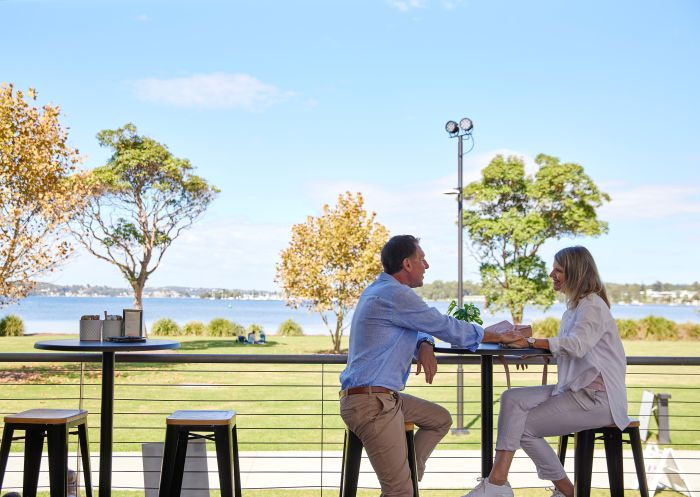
(487, 489)
(556, 492)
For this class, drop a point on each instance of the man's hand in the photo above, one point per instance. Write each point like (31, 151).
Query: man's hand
(505, 332)
(427, 361)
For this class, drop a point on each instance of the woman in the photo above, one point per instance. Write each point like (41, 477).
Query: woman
(590, 390)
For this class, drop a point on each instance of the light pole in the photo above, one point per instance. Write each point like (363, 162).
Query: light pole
(463, 132)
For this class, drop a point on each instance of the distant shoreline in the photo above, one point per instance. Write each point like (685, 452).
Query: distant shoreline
(278, 298)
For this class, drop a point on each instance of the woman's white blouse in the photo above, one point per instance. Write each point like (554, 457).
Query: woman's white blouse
(589, 344)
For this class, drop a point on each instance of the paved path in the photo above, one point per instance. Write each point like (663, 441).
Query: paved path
(456, 470)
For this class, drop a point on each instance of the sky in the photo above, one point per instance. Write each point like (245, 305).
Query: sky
(286, 105)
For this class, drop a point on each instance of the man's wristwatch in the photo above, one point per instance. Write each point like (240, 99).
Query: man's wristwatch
(425, 340)
(530, 342)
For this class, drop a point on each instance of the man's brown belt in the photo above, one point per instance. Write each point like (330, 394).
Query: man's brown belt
(354, 390)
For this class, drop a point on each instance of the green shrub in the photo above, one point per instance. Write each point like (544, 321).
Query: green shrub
(290, 328)
(166, 327)
(657, 328)
(689, 331)
(194, 328)
(628, 328)
(220, 327)
(11, 326)
(546, 328)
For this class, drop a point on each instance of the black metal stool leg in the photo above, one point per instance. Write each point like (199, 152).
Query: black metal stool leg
(33, 446)
(342, 464)
(612, 438)
(5, 449)
(637, 453)
(166, 470)
(583, 462)
(561, 449)
(180, 458)
(236, 462)
(224, 459)
(58, 459)
(351, 464)
(412, 461)
(85, 455)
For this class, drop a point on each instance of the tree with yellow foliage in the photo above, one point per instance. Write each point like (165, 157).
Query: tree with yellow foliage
(331, 259)
(38, 192)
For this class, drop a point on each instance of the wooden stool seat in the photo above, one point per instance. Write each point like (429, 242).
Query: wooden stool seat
(54, 425)
(611, 435)
(218, 426)
(352, 456)
(47, 416)
(202, 418)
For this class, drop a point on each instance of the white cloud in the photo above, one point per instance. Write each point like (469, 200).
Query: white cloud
(211, 91)
(650, 201)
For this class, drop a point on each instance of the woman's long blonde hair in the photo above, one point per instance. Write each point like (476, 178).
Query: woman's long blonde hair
(581, 274)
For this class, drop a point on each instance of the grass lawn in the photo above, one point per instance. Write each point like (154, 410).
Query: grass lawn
(293, 407)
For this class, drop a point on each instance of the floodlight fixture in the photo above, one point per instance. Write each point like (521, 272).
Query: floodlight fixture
(451, 127)
(466, 124)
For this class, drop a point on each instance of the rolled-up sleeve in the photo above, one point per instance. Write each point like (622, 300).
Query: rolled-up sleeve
(585, 333)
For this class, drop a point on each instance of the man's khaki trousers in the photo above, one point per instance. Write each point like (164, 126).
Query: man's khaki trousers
(378, 421)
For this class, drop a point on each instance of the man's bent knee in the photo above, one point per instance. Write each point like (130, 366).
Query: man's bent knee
(402, 489)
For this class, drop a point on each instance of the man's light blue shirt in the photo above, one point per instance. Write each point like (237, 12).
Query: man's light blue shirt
(387, 324)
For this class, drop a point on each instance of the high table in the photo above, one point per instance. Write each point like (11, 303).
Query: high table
(107, 415)
(487, 351)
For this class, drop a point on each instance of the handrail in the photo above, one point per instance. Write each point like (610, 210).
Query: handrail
(292, 359)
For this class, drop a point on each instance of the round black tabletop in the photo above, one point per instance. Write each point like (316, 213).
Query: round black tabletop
(96, 346)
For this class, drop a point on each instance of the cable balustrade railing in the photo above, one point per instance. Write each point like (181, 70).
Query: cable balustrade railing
(290, 434)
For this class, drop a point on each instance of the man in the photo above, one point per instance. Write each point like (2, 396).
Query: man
(392, 325)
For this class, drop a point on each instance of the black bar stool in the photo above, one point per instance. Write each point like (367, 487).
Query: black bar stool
(55, 425)
(352, 455)
(612, 438)
(185, 425)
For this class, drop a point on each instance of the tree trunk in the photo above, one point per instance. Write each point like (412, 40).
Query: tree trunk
(516, 313)
(338, 335)
(138, 295)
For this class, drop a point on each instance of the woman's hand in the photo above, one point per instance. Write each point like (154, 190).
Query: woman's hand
(518, 343)
(511, 339)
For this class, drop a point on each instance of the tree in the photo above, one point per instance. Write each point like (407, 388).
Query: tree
(37, 194)
(331, 259)
(141, 201)
(512, 214)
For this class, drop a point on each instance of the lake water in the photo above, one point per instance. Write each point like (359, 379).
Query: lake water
(61, 314)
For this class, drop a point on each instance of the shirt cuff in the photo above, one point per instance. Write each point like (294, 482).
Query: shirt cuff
(422, 337)
(471, 342)
(554, 347)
